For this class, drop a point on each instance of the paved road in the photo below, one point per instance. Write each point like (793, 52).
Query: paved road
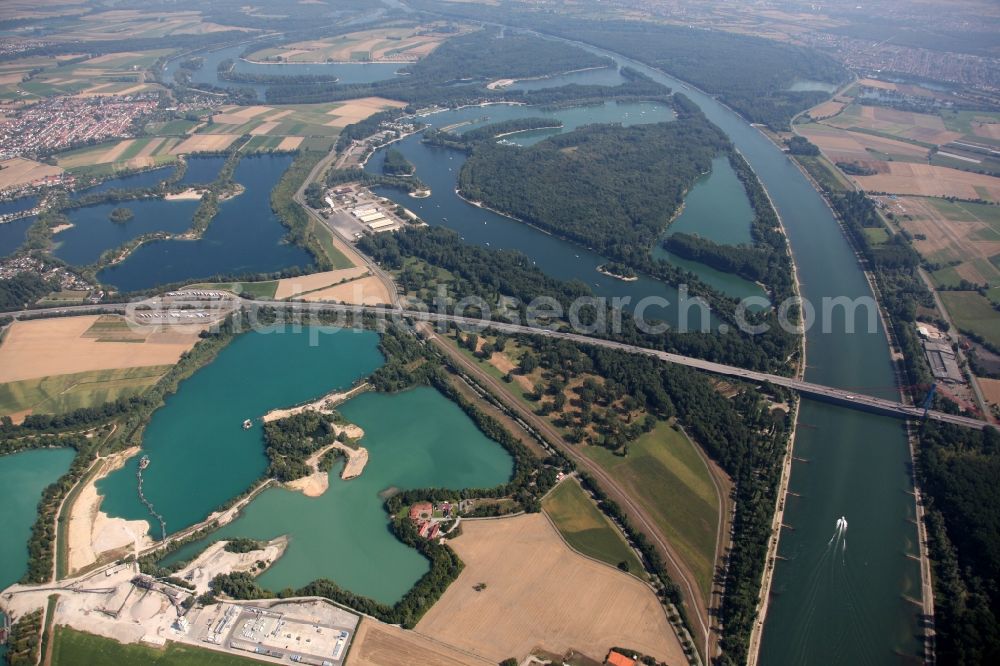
(831, 394)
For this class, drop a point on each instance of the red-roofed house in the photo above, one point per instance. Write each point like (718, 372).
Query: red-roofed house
(618, 659)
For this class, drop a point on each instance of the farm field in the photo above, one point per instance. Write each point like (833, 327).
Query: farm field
(931, 181)
(973, 312)
(377, 644)
(139, 24)
(288, 287)
(60, 394)
(294, 120)
(405, 43)
(109, 74)
(121, 155)
(907, 125)
(68, 345)
(19, 171)
(665, 474)
(564, 601)
(586, 529)
(71, 648)
(946, 232)
(841, 145)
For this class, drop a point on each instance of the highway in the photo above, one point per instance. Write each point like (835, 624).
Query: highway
(831, 394)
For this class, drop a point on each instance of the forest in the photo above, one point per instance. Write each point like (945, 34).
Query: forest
(606, 187)
(742, 434)
(396, 164)
(750, 74)
(290, 441)
(957, 470)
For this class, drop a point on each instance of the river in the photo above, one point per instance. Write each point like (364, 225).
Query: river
(345, 72)
(847, 607)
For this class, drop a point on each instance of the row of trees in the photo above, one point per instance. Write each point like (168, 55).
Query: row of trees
(957, 470)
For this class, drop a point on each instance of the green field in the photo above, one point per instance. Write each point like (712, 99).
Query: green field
(586, 529)
(876, 235)
(258, 289)
(325, 238)
(667, 476)
(60, 394)
(973, 312)
(171, 127)
(827, 176)
(76, 648)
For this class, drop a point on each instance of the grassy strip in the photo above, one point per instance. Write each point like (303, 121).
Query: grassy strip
(588, 530)
(667, 476)
(71, 647)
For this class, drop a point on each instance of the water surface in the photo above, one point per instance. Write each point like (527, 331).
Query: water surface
(23, 477)
(134, 181)
(415, 439)
(202, 170)
(93, 231)
(245, 237)
(200, 455)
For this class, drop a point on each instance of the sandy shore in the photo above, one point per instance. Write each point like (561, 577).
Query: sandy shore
(216, 560)
(189, 194)
(91, 532)
(322, 405)
(61, 227)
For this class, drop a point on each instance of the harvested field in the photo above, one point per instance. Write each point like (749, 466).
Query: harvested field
(840, 145)
(390, 44)
(921, 127)
(204, 142)
(18, 171)
(377, 644)
(931, 181)
(357, 110)
(237, 115)
(291, 286)
(365, 291)
(826, 110)
(290, 143)
(47, 347)
(990, 389)
(263, 128)
(563, 600)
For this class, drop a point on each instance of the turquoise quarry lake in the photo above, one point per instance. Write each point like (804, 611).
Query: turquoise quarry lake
(23, 477)
(415, 439)
(200, 455)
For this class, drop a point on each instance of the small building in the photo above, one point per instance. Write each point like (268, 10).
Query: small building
(379, 225)
(616, 658)
(421, 511)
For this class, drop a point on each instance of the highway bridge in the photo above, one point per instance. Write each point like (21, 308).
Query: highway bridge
(839, 396)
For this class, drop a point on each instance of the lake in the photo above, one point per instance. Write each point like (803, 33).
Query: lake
(415, 439)
(202, 170)
(439, 168)
(93, 231)
(200, 455)
(23, 477)
(245, 237)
